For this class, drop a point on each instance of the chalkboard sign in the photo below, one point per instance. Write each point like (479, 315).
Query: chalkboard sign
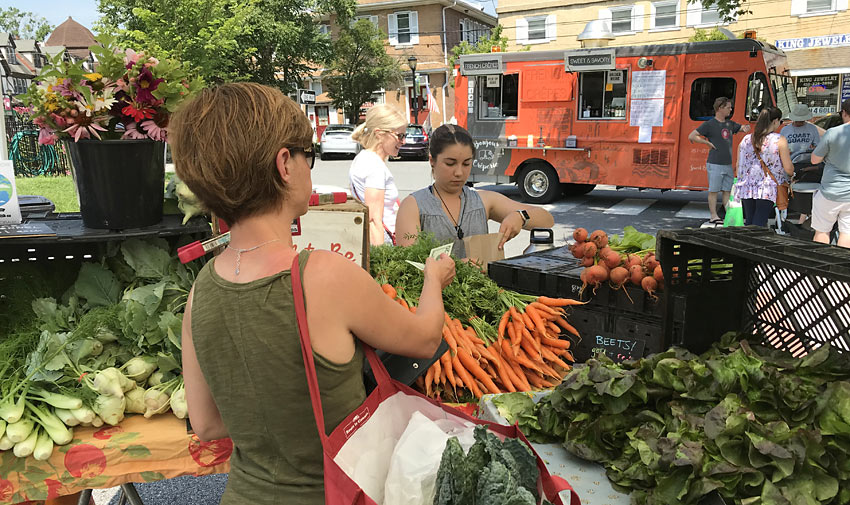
(617, 348)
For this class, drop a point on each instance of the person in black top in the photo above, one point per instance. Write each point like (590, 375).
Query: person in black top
(717, 134)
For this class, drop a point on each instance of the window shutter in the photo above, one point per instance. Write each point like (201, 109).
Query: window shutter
(551, 28)
(695, 13)
(521, 31)
(637, 18)
(392, 29)
(414, 26)
(798, 7)
(841, 5)
(605, 15)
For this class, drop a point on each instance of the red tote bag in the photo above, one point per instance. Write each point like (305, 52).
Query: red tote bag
(340, 488)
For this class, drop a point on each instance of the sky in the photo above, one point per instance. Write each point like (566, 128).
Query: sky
(57, 11)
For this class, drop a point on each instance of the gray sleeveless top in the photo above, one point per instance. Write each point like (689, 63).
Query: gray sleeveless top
(433, 219)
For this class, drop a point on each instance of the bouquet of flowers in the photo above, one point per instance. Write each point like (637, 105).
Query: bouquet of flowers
(130, 95)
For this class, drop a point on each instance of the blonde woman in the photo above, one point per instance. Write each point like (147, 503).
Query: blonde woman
(370, 178)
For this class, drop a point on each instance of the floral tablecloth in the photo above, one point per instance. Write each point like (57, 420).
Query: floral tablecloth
(137, 450)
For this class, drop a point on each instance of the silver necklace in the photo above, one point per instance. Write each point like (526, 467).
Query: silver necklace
(248, 249)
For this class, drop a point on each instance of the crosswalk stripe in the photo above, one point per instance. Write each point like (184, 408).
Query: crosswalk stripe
(694, 210)
(564, 206)
(630, 206)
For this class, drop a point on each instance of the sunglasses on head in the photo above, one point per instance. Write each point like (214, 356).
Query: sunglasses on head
(308, 152)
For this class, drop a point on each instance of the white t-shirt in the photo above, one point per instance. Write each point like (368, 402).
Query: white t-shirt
(368, 170)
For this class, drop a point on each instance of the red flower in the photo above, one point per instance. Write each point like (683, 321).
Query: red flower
(138, 113)
(145, 85)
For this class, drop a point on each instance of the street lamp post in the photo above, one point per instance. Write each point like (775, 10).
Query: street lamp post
(411, 62)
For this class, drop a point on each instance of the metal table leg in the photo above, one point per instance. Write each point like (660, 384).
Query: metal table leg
(85, 497)
(129, 495)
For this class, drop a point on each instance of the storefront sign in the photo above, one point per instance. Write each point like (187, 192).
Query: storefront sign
(812, 42)
(486, 64)
(589, 59)
(10, 211)
(845, 88)
(819, 92)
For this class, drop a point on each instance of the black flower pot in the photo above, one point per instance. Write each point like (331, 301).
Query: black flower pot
(120, 183)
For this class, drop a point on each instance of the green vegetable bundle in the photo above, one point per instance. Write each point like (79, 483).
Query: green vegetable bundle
(492, 473)
(470, 296)
(753, 423)
(88, 357)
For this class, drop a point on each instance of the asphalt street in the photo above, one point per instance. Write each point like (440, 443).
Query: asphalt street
(605, 208)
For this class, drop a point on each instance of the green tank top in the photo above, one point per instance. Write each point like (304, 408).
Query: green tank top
(247, 341)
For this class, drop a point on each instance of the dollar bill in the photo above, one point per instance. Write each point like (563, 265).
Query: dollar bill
(437, 251)
(418, 265)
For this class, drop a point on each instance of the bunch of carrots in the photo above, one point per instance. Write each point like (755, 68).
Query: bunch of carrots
(528, 352)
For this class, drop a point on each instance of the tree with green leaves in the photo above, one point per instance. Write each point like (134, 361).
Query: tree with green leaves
(360, 65)
(272, 42)
(23, 25)
(284, 40)
(701, 35)
(202, 33)
(484, 45)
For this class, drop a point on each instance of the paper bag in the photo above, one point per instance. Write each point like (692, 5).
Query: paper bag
(484, 248)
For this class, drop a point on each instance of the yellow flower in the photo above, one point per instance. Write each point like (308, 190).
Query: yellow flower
(94, 76)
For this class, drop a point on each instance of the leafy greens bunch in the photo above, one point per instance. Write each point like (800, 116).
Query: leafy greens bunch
(472, 297)
(492, 473)
(754, 423)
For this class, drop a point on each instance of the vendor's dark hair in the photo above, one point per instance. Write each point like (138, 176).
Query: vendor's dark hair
(845, 106)
(449, 134)
(766, 117)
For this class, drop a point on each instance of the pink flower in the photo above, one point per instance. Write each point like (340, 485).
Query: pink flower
(130, 58)
(47, 137)
(131, 132)
(80, 130)
(154, 131)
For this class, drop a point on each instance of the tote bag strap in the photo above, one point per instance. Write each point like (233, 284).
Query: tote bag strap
(381, 374)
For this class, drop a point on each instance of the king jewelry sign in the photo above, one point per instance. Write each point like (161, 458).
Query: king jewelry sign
(813, 42)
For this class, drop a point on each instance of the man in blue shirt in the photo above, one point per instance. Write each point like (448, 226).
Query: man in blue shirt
(832, 202)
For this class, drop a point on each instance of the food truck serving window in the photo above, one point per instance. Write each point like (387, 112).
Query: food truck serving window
(705, 91)
(498, 96)
(603, 94)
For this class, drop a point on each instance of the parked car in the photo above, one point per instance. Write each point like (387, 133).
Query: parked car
(415, 144)
(831, 120)
(336, 140)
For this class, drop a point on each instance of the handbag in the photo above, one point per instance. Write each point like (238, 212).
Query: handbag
(340, 488)
(783, 191)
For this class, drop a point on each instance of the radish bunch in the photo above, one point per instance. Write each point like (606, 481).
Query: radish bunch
(604, 262)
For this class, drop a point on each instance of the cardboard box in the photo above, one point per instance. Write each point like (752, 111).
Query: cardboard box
(340, 227)
(484, 248)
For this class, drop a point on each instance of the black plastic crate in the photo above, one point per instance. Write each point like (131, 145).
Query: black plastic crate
(793, 293)
(620, 336)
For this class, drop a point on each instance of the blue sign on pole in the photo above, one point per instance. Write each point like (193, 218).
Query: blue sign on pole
(845, 88)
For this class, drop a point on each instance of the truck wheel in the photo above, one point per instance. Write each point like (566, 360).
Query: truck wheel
(577, 189)
(539, 184)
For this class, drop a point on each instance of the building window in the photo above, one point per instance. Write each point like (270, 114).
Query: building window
(705, 91)
(621, 20)
(813, 6)
(819, 92)
(758, 95)
(709, 17)
(498, 96)
(665, 15)
(602, 95)
(403, 28)
(325, 29)
(537, 29)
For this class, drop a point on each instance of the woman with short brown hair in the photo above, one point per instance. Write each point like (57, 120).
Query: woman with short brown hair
(244, 149)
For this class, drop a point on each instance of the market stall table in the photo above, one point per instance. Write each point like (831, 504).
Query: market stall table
(137, 450)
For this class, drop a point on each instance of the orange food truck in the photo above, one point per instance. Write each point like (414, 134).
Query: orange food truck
(560, 122)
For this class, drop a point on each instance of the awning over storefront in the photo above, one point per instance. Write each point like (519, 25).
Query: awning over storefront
(818, 61)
